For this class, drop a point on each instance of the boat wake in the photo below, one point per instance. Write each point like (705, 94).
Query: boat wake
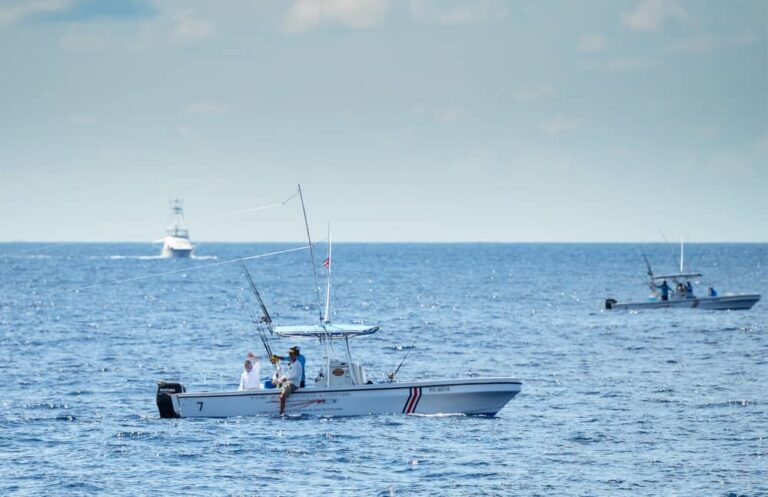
(153, 257)
(134, 257)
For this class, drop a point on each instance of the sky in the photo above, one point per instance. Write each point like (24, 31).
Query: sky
(410, 120)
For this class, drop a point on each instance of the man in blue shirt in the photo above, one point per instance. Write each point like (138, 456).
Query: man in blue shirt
(664, 287)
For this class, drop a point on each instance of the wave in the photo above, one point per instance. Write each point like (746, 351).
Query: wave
(152, 257)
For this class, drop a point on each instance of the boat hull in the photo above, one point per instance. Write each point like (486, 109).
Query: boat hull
(481, 396)
(169, 252)
(719, 303)
(177, 247)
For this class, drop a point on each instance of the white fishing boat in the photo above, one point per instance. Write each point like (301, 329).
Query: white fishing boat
(176, 242)
(681, 294)
(341, 387)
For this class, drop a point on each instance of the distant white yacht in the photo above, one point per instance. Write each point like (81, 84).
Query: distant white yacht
(176, 242)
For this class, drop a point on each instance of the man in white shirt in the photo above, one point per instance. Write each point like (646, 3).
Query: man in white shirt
(251, 377)
(291, 380)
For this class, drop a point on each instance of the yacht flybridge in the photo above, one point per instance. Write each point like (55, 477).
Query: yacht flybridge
(176, 242)
(342, 387)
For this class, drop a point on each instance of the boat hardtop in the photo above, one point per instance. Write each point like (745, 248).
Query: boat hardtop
(325, 331)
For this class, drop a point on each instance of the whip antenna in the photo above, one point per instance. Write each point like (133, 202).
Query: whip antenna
(312, 256)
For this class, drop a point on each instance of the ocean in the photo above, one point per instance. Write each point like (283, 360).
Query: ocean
(658, 402)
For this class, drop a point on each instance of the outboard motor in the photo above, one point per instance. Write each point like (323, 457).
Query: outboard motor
(164, 401)
(609, 303)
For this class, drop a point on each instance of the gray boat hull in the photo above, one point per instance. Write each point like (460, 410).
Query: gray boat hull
(719, 303)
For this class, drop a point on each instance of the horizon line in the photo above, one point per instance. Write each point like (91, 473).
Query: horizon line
(434, 242)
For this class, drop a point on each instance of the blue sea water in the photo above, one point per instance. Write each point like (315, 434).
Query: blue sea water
(664, 402)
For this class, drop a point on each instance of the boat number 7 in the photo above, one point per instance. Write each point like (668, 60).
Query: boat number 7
(200, 404)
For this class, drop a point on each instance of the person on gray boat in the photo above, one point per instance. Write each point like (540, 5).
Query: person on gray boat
(291, 380)
(664, 287)
(712, 292)
(689, 290)
(680, 291)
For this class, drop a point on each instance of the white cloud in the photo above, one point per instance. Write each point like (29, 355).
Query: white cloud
(449, 114)
(454, 13)
(559, 125)
(703, 43)
(86, 38)
(745, 38)
(206, 108)
(651, 14)
(82, 119)
(531, 93)
(22, 10)
(631, 64)
(591, 43)
(308, 14)
(190, 29)
(747, 161)
(707, 130)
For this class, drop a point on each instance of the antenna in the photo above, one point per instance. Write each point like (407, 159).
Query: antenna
(671, 251)
(327, 264)
(311, 256)
(682, 249)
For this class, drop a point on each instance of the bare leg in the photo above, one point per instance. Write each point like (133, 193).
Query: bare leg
(282, 403)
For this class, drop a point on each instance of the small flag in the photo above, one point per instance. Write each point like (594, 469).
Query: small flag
(327, 263)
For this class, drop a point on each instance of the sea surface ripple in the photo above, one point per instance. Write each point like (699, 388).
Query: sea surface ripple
(666, 402)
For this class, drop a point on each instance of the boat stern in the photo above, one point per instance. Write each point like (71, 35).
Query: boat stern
(165, 392)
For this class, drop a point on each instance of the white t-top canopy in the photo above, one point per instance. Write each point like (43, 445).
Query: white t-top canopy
(676, 276)
(326, 330)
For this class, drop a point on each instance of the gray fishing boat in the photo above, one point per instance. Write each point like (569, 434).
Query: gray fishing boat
(676, 290)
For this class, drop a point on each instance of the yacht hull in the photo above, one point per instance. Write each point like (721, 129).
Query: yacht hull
(719, 303)
(476, 396)
(170, 252)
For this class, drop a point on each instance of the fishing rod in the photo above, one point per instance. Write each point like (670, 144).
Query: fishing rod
(265, 318)
(650, 272)
(257, 325)
(264, 340)
(391, 376)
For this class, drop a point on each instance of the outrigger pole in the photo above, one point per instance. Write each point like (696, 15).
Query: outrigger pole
(312, 256)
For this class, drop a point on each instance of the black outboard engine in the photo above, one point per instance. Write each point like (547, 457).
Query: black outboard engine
(609, 303)
(164, 401)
